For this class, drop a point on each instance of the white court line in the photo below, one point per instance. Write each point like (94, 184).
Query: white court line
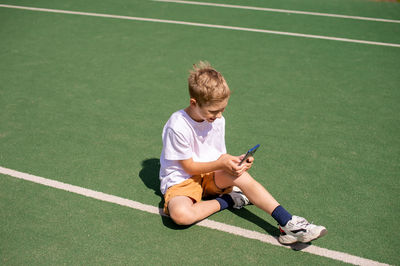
(201, 25)
(336, 255)
(280, 10)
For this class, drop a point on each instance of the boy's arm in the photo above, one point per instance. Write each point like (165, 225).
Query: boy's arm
(225, 162)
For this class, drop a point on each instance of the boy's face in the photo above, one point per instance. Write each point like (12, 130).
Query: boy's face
(208, 112)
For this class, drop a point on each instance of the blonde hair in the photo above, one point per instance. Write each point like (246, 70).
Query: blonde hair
(207, 85)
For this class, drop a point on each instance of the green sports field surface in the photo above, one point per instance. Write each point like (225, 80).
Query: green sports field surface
(83, 100)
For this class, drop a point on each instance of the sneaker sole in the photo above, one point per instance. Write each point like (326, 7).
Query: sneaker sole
(288, 240)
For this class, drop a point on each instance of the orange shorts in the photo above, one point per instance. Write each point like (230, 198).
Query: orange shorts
(196, 188)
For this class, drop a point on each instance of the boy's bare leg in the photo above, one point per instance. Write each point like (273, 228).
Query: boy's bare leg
(184, 212)
(293, 228)
(254, 191)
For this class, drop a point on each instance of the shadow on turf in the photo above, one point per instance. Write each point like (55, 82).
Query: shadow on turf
(150, 177)
(255, 219)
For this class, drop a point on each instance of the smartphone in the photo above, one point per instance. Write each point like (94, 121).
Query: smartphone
(249, 153)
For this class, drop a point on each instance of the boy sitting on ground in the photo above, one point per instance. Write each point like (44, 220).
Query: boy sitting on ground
(196, 166)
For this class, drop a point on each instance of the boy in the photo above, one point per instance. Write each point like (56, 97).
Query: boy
(195, 165)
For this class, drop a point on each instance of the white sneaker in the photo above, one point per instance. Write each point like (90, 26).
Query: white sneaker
(299, 229)
(239, 198)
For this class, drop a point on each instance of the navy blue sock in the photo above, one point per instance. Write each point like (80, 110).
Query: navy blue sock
(225, 201)
(281, 215)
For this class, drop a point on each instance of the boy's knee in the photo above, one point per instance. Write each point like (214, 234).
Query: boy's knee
(181, 216)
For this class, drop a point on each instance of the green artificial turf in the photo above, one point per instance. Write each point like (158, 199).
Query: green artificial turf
(83, 100)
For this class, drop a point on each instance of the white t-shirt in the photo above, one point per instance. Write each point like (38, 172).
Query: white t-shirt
(183, 138)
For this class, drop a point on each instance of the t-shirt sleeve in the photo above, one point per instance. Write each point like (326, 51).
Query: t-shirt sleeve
(176, 146)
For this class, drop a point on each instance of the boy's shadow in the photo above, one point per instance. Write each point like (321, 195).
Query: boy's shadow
(257, 220)
(150, 177)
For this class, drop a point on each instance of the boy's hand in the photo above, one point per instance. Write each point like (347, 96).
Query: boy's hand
(230, 164)
(248, 162)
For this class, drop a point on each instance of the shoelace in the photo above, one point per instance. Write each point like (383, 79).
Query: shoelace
(303, 223)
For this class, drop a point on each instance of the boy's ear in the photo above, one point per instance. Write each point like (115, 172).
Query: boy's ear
(193, 102)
